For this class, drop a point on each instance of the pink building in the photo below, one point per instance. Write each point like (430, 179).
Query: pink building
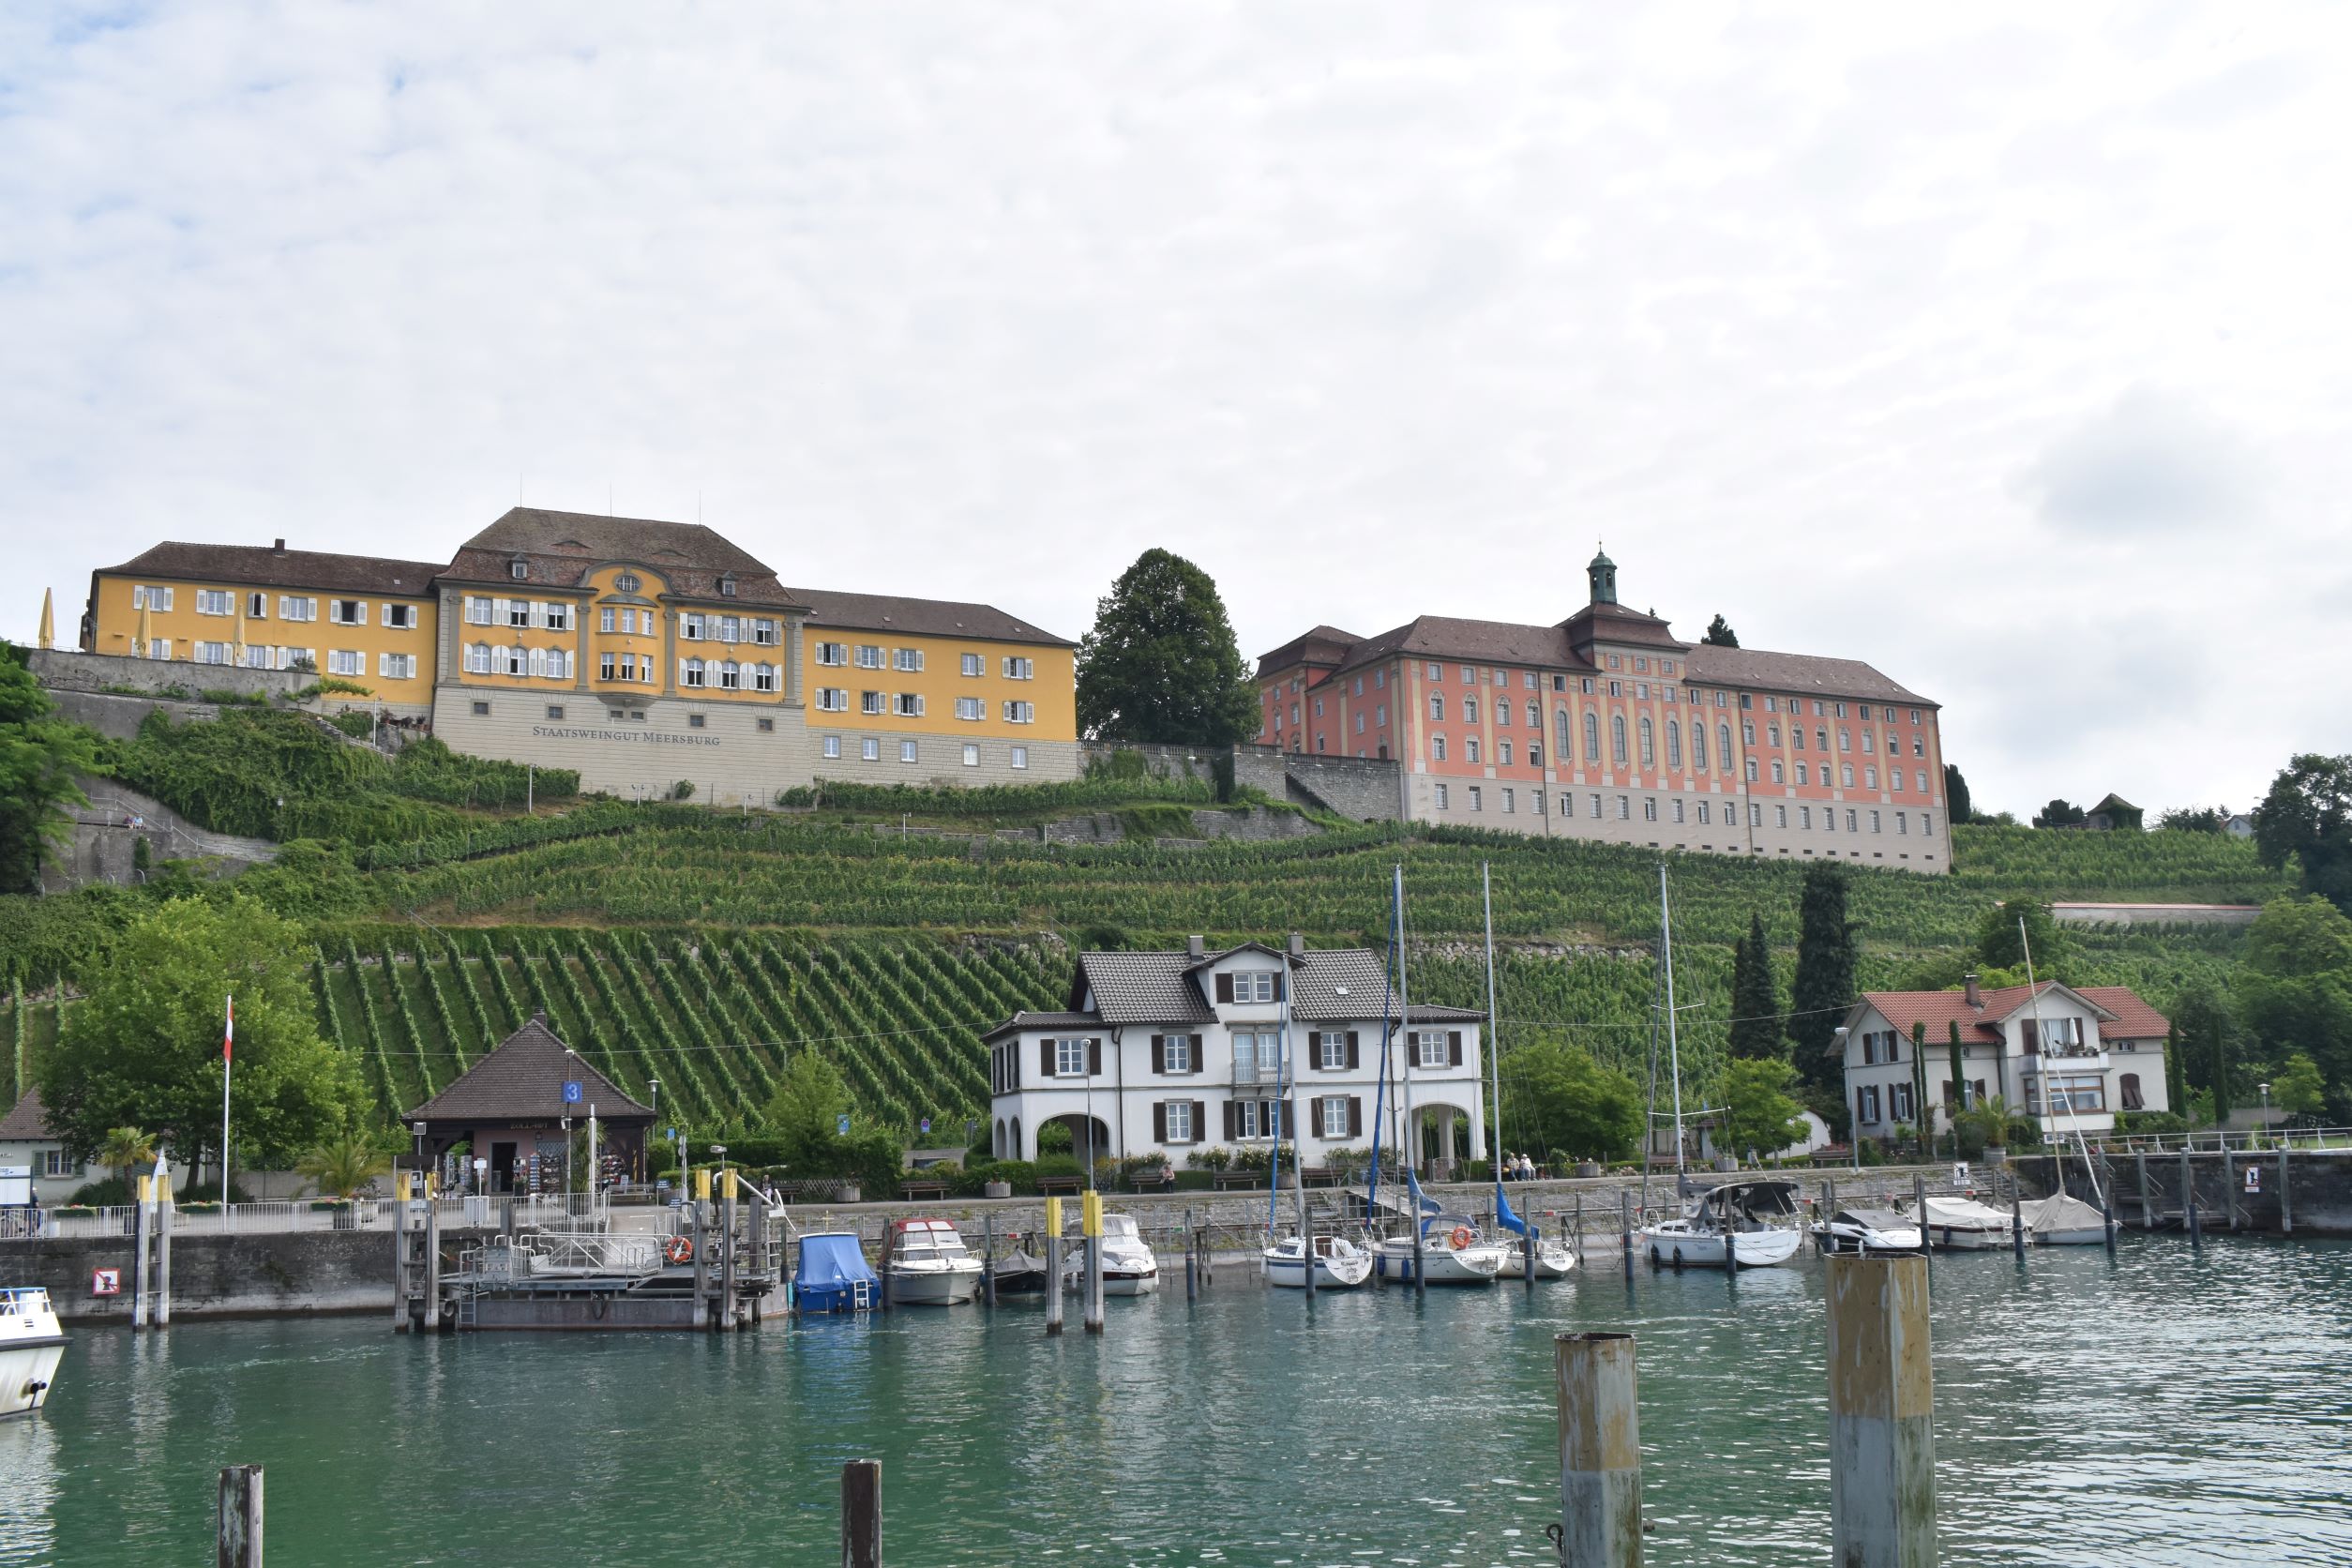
(1607, 726)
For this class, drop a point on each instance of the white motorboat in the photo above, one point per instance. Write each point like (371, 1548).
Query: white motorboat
(1129, 1269)
(1339, 1265)
(1963, 1225)
(1553, 1261)
(925, 1264)
(2063, 1221)
(31, 1346)
(1745, 1224)
(1451, 1251)
(1867, 1233)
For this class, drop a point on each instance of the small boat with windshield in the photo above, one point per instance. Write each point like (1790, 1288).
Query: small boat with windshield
(31, 1346)
(1129, 1269)
(1741, 1225)
(1866, 1233)
(925, 1264)
(1339, 1263)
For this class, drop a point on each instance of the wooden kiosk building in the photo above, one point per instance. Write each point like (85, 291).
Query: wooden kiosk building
(519, 1108)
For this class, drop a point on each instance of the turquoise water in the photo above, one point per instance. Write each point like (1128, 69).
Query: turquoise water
(2166, 1410)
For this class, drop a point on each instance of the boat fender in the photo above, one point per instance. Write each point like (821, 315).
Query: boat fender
(1461, 1237)
(598, 1306)
(678, 1249)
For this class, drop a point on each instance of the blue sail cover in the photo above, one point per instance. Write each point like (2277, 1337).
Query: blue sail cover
(1504, 1216)
(1422, 1200)
(831, 1265)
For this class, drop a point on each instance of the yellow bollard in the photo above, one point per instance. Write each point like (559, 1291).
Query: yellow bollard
(703, 1186)
(1053, 1216)
(1091, 1215)
(399, 1182)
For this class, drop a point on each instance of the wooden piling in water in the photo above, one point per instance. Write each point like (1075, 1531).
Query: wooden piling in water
(1882, 1443)
(2286, 1202)
(2189, 1201)
(1599, 1450)
(2229, 1186)
(238, 1532)
(861, 1513)
(2018, 1223)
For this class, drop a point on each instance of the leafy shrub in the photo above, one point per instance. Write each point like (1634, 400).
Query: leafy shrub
(351, 722)
(996, 800)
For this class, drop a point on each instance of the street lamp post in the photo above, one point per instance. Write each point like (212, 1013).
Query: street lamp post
(2266, 1106)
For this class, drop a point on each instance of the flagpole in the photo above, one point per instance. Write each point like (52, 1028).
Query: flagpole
(228, 1044)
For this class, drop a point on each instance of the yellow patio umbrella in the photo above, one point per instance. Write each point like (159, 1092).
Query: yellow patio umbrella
(49, 620)
(146, 632)
(237, 653)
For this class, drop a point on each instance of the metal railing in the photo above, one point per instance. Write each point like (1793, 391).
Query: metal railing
(276, 1218)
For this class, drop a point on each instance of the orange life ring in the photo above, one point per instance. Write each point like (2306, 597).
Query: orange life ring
(678, 1249)
(1462, 1237)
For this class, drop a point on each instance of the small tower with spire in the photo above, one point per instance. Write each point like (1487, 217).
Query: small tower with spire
(1602, 573)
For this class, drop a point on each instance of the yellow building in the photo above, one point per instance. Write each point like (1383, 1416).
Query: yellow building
(644, 654)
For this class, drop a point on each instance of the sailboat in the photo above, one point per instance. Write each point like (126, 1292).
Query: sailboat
(1452, 1251)
(1551, 1259)
(1737, 1225)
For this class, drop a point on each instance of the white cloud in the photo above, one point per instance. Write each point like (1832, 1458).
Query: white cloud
(1371, 310)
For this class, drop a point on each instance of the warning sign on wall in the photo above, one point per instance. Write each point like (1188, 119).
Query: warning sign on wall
(106, 1282)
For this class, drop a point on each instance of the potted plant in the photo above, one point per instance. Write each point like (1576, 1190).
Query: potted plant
(1588, 1169)
(996, 1186)
(339, 1168)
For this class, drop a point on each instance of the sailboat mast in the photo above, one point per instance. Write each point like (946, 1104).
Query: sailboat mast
(1674, 1054)
(2033, 1001)
(1494, 1040)
(1412, 1143)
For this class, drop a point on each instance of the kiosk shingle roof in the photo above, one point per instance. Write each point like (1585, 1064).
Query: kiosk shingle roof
(523, 1079)
(28, 1123)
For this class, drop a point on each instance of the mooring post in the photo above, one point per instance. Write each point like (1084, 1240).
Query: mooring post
(987, 1258)
(401, 1294)
(2018, 1223)
(861, 1513)
(2286, 1202)
(1421, 1271)
(1580, 1229)
(2189, 1201)
(1306, 1241)
(1053, 1265)
(1919, 1207)
(163, 1253)
(2229, 1185)
(1192, 1283)
(1090, 1229)
(725, 1316)
(239, 1534)
(1882, 1402)
(1600, 1450)
(432, 1251)
(139, 1203)
(2106, 1220)
(2147, 1211)
(1625, 1229)
(702, 1241)
(1526, 1250)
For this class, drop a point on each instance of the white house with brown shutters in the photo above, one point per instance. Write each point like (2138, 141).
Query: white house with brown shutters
(2070, 1057)
(1170, 1052)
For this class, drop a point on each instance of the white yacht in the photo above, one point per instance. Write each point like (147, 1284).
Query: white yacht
(1129, 1269)
(1339, 1265)
(1553, 1261)
(1452, 1250)
(1743, 1225)
(1867, 1233)
(925, 1264)
(31, 1346)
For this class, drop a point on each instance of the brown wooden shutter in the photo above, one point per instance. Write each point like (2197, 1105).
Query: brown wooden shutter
(1045, 1059)
(1352, 1052)
(1159, 1053)
(1281, 980)
(1453, 1048)
(1225, 987)
(1159, 1121)
(1355, 1116)
(2033, 1035)
(1094, 1056)
(1200, 1122)
(1228, 1121)
(1196, 1054)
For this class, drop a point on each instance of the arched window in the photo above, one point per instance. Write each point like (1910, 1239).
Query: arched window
(1649, 743)
(1779, 774)
(693, 672)
(1566, 745)
(1674, 744)
(1592, 737)
(1723, 746)
(1616, 739)
(1437, 748)
(730, 675)
(763, 677)
(1699, 744)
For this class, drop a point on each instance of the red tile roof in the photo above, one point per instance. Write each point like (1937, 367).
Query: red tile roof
(28, 1123)
(261, 566)
(2131, 1018)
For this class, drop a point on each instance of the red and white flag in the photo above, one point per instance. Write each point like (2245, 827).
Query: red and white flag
(229, 1035)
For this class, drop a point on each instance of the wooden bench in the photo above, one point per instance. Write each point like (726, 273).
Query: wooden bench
(1159, 1179)
(910, 1191)
(1226, 1181)
(1051, 1186)
(1322, 1176)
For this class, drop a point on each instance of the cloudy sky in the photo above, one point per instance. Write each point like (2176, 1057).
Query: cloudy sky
(2006, 352)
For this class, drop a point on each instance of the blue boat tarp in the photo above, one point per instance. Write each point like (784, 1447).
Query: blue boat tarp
(832, 1269)
(1503, 1216)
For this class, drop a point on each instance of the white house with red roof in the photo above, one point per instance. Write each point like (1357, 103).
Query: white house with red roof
(2071, 1056)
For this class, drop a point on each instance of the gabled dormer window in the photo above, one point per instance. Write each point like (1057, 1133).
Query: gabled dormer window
(726, 586)
(519, 568)
(1250, 986)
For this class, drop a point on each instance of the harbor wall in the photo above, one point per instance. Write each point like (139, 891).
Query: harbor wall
(2318, 1189)
(218, 1276)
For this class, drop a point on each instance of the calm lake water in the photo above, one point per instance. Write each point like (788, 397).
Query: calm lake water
(2164, 1410)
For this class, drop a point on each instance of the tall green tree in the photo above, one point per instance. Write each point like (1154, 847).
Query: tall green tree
(1755, 1023)
(1161, 664)
(2296, 1087)
(40, 755)
(2061, 812)
(2307, 817)
(2293, 992)
(1576, 1107)
(1759, 1111)
(1957, 806)
(1720, 635)
(1957, 1059)
(806, 1109)
(142, 1047)
(2176, 1079)
(1999, 946)
(1921, 1109)
(1824, 984)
